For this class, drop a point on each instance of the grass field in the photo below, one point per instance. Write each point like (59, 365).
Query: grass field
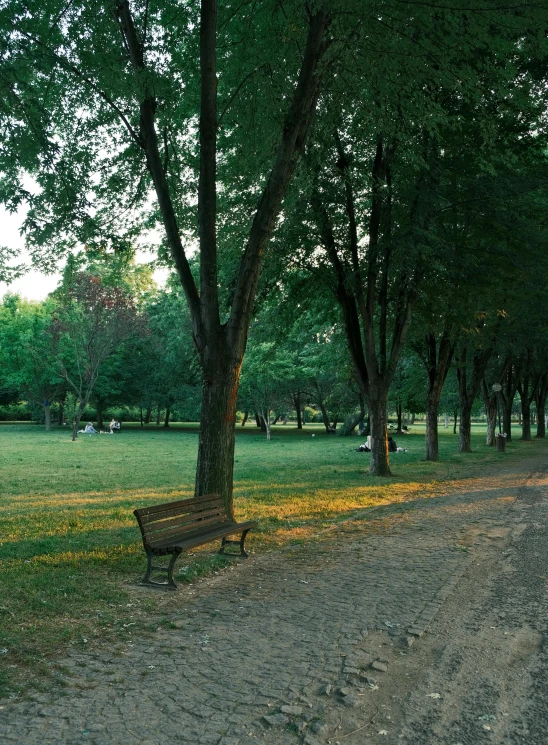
(70, 548)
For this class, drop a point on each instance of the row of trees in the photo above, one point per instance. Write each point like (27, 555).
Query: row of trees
(108, 336)
(406, 141)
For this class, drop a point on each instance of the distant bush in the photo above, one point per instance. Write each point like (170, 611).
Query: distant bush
(19, 412)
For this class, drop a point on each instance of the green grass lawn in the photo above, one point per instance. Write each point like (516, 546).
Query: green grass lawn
(70, 548)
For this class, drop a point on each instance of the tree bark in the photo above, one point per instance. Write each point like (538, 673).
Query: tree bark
(148, 414)
(325, 417)
(60, 415)
(166, 418)
(432, 409)
(380, 465)
(399, 414)
(158, 415)
(526, 419)
(508, 393)
(527, 387)
(470, 377)
(215, 468)
(540, 403)
(490, 401)
(436, 358)
(47, 417)
(465, 428)
(507, 420)
(78, 416)
(266, 419)
(244, 420)
(491, 411)
(297, 404)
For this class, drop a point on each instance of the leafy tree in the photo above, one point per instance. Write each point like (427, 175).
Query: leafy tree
(26, 360)
(129, 112)
(92, 321)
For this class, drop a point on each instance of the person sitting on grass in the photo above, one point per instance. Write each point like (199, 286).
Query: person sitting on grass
(89, 429)
(114, 425)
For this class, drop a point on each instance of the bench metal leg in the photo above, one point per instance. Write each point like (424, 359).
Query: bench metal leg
(170, 584)
(243, 553)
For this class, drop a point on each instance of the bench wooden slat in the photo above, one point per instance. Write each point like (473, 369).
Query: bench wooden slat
(200, 539)
(184, 505)
(181, 520)
(202, 527)
(177, 511)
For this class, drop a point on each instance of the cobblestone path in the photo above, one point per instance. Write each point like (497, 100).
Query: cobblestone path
(269, 651)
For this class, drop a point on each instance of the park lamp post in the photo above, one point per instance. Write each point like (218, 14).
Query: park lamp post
(500, 438)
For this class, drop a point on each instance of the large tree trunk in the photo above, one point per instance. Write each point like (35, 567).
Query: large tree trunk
(432, 410)
(527, 386)
(437, 359)
(541, 422)
(455, 419)
(490, 401)
(380, 464)
(507, 419)
(266, 419)
(508, 393)
(47, 416)
(215, 468)
(470, 377)
(325, 417)
(297, 404)
(540, 403)
(244, 420)
(525, 418)
(465, 429)
(399, 414)
(78, 416)
(166, 418)
(158, 415)
(148, 414)
(491, 411)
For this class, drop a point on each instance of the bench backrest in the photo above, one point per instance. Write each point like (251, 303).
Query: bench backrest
(183, 518)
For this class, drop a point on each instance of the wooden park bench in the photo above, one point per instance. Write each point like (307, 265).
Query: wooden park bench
(174, 527)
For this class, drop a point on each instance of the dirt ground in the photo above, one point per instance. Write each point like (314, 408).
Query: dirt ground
(479, 674)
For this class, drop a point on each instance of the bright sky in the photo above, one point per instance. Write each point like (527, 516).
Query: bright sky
(35, 285)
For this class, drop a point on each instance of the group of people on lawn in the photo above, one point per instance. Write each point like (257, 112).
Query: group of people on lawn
(89, 429)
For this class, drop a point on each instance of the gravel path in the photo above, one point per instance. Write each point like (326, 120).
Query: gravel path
(315, 642)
